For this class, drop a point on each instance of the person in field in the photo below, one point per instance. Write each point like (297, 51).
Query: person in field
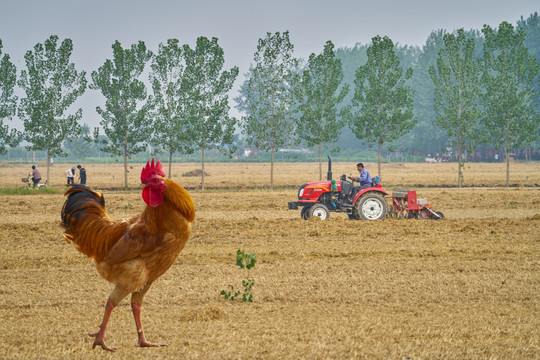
(82, 175)
(36, 176)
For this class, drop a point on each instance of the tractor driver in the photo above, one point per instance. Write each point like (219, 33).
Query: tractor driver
(364, 179)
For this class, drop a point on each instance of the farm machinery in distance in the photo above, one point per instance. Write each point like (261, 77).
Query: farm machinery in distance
(405, 204)
(319, 198)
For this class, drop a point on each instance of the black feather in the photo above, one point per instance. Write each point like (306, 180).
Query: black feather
(74, 206)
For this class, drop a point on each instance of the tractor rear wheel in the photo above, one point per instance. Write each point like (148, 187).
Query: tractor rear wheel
(319, 210)
(370, 207)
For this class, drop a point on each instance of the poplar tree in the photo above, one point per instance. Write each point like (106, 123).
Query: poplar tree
(210, 125)
(82, 146)
(170, 95)
(267, 96)
(457, 93)
(125, 120)
(384, 103)
(426, 136)
(51, 84)
(320, 91)
(531, 26)
(509, 76)
(8, 101)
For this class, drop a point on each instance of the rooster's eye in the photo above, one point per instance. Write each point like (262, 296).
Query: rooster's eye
(156, 180)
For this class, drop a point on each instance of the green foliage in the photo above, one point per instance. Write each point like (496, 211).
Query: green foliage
(170, 97)
(531, 26)
(51, 84)
(266, 97)
(209, 123)
(243, 261)
(383, 104)
(457, 92)
(426, 136)
(124, 117)
(267, 90)
(82, 146)
(8, 102)
(509, 77)
(351, 59)
(319, 92)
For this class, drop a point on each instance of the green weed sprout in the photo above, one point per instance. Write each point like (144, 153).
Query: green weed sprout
(244, 261)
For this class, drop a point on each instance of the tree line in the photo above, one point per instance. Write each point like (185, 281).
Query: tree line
(483, 89)
(479, 88)
(186, 109)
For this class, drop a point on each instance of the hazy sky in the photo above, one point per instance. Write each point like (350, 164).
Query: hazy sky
(94, 25)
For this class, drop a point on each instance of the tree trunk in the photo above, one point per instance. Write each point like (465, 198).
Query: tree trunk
(125, 171)
(460, 162)
(170, 164)
(125, 161)
(320, 162)
(507, 154)
(48, 168)
(320, 147)
(170, 157)
(202, 175)
(507, 166)
(379, 160)
(272, 167)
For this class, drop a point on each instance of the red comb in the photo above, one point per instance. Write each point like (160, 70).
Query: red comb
(152, 169)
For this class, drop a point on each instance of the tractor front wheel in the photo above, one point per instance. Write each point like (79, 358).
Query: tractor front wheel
(370, 207)
(318, 210)
(304, 212)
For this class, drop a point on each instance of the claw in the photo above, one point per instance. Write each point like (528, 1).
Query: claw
(144, 343)
(99, 341)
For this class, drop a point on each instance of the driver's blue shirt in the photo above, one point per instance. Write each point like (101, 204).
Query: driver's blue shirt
(365, 178)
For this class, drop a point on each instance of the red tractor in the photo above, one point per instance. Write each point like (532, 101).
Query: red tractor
(319, 198)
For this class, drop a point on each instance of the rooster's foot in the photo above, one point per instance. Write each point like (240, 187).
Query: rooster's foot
(144, 343)
(99, 341)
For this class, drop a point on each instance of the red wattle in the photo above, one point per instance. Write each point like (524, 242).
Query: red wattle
(152, 198)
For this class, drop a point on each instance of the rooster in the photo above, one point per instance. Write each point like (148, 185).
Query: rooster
(132, 253)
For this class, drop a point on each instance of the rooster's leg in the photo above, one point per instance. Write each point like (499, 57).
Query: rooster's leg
(136, 304)
(114, 299)
(100, 335)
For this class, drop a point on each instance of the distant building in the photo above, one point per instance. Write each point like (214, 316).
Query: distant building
(250, 152)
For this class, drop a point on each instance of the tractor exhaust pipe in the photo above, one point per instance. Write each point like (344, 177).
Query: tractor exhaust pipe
(329, 173)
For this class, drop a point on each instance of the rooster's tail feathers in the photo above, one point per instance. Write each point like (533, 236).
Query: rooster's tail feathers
(86, 224)
(80, 199)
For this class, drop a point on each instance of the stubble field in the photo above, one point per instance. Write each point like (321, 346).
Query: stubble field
(467, 287)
